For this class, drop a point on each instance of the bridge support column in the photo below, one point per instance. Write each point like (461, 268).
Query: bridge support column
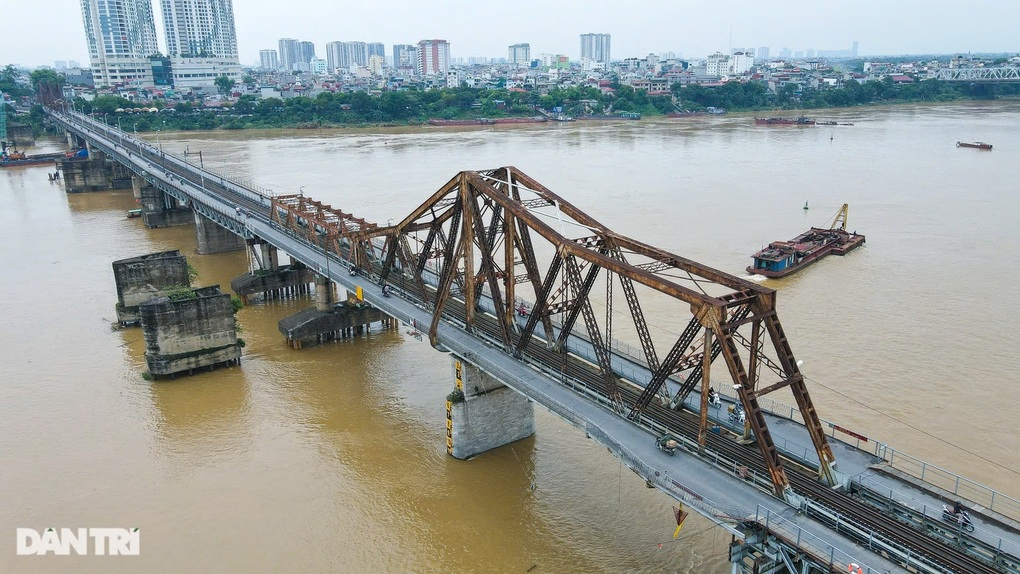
(137, 183)
(483, 414)
(188, 334)
(94, 173)
(215, 239)
(160, 209)
(270, 256)
(325, 294)
(142, 278)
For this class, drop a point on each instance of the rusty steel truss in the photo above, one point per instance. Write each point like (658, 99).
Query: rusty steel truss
(501, 255)
(322, 225)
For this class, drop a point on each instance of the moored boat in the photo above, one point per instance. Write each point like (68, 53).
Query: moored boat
(20, 159)
(976, 145)
(476, 122)
(776, 121)
(782, 258)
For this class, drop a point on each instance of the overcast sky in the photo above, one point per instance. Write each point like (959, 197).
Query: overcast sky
(38, 32)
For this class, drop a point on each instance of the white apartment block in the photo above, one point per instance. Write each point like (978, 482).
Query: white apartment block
(200, 29)
(121, 35)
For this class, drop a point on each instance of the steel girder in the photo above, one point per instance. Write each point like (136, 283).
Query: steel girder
(488, 240)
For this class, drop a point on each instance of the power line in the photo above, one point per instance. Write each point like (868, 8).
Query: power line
(908, 425)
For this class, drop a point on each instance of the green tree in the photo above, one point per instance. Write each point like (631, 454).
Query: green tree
(10, 82)
(224, 84)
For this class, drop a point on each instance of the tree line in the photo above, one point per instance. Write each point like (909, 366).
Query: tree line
(328, 109)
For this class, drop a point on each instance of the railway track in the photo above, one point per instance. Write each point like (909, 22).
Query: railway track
(939, 556)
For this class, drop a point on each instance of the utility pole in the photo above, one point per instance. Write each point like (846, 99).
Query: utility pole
(3, 118)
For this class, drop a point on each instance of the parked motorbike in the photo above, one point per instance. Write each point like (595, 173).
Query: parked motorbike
(961, 518)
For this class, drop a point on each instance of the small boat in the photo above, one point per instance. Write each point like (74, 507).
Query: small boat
(132, 213)
(976, 145)
(782, 258)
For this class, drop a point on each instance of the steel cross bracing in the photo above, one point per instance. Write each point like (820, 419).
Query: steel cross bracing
(500, 234)
(472, 238)
(998, 74)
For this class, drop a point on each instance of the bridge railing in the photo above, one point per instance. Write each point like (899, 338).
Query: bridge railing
(924, 512)
(723, 515)
(791, 533)
(950, 482)
(936, 476)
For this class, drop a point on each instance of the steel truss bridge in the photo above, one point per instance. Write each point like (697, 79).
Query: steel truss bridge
(995, 75)
(463, 262)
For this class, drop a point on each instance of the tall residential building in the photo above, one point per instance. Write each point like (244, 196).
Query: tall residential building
(121, 35)
(403, 55)
(343, 55)
(307, 51)
(376, 49)
(853, 49)
(519, 54)
(763, 53)
(290, 53)
(200, 29)
(334, 53)
(201, 41)
(595, 47)
(268, 60)
(432, 57)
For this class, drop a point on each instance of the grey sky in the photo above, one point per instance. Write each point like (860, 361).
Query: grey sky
(39, 32)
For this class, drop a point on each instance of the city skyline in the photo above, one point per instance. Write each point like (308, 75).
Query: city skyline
(693, 29)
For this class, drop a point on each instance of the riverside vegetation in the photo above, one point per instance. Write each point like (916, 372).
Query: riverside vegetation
(330, 109)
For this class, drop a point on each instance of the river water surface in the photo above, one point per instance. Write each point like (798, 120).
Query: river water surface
(333, 458)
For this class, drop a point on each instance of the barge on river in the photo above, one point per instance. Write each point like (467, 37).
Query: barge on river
(774, 121)
(977, 145)
(781, 258)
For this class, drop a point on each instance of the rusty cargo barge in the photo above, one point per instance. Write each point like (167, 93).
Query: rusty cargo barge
(782, 258)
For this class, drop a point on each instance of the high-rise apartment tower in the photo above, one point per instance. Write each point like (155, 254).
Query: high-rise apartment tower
(121, 35)
(433, 57)
(595, 47)
(200, 29)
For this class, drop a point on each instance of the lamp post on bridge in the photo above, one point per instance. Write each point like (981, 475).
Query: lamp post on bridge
(201, 164)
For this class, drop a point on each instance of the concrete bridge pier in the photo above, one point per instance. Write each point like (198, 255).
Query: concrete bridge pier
(269, 278)
(142, 278)
(189, 333)
(483, 414)
(270, 256)
(158, 208)
(215, 239)
(329, 320)
(325, 294)
(95, 173)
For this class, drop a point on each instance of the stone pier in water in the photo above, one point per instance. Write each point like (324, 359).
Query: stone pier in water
(328, 321)
(144, 277)
(270, 279)
(482, 413)
(190, 331)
